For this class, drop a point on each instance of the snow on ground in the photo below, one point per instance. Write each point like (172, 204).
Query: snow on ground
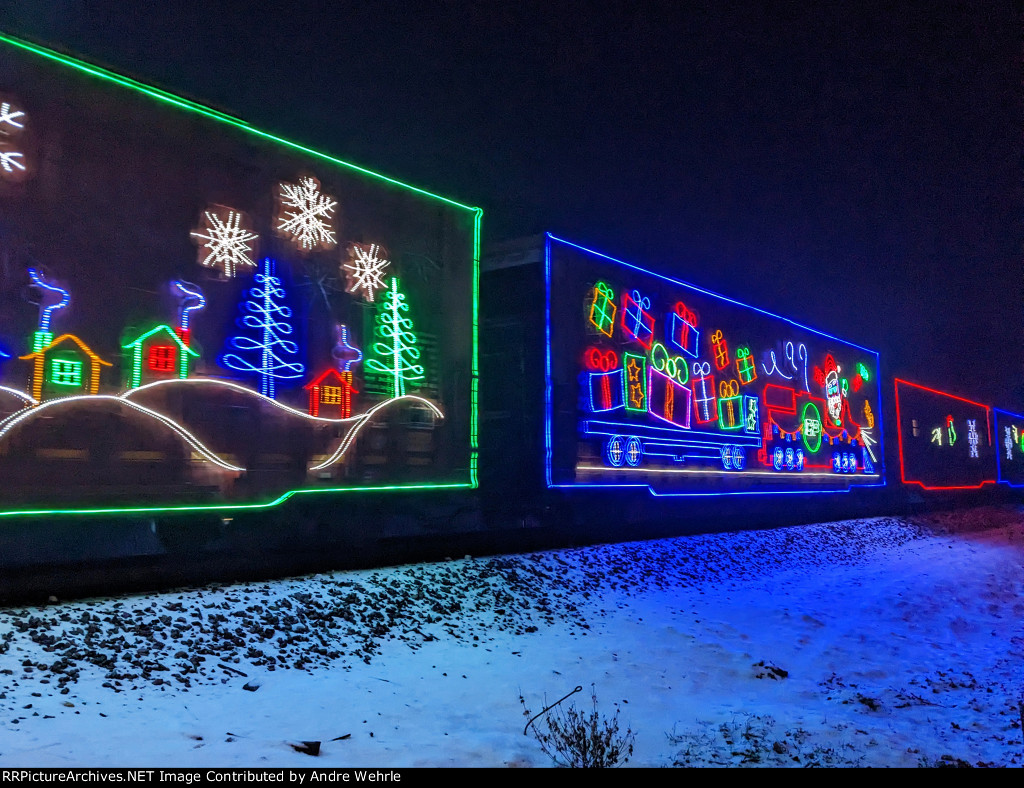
(876, 642)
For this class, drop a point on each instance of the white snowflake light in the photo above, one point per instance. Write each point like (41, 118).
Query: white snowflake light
(10, 116)
(367, 263)
(306, 214)
(11, 160)
(227, 241)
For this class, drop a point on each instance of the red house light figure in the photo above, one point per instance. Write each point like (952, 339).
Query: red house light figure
(339, 391)
(327, 391)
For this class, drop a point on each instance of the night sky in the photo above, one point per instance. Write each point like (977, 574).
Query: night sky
(857, 170)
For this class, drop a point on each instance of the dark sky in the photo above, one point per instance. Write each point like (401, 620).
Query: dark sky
(857, 169)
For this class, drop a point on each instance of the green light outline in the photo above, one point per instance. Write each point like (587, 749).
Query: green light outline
(199, 109)
(170, 331)
(233, 507)
(474, 387)
(674, 361)
(137, 354)
(740, 422)
(77, 374)
(598, 292)
(643, 381)
(803, 419)
(192, 106)
(41, 339)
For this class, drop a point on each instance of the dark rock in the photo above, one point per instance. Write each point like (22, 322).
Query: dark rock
(307, 747)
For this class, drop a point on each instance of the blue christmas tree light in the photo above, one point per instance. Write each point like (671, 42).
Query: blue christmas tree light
(265, 354)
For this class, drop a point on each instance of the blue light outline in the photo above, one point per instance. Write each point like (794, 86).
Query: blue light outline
(46, 313)
(710, 293)
(672, 335)
(608, 452)
(590, 390)
(183, 286)
(548, 387)
(346, 365)
(547, 360)
(268, 319)
(999, 456)
(634, 441)
(757, 413)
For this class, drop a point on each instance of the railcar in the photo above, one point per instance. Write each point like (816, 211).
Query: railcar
(626, 402)
(656, 406)
(208, 330)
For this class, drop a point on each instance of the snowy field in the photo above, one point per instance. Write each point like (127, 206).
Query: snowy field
(878, 642)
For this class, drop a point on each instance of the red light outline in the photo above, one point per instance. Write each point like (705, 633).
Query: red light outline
(899, 434)
(344, 383)
(721, 350)
(769, 406)
(689, 319)
(162, 361)
(596, 359)
(645, 319)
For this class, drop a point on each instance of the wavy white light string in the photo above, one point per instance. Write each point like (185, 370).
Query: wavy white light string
(356, 422)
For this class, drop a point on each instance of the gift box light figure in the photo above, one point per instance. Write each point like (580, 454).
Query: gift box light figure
(636, 321)
(721, 349)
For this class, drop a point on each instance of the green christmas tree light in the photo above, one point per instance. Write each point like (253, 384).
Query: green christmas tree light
(397, 351)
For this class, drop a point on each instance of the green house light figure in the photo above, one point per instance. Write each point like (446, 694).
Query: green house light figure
(159, 354)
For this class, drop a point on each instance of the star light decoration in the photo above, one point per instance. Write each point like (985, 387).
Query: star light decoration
(12, 162)
(305, 214)
(367, 263)
(227, 240)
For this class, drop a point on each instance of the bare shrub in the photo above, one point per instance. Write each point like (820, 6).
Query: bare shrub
(580, 739)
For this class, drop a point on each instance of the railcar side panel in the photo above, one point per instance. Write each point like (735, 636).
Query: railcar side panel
(945, 441)
(196, 315)
(656, 384)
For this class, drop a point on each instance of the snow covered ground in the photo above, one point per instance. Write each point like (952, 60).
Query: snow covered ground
(876, 642)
